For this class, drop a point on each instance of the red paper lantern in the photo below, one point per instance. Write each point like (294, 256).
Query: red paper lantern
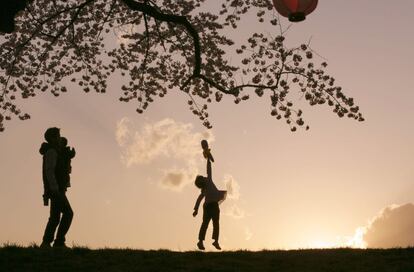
(295, 10)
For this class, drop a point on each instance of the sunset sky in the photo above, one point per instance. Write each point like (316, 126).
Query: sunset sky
(342, 183)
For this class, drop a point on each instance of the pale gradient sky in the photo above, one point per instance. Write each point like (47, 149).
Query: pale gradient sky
(293, 190)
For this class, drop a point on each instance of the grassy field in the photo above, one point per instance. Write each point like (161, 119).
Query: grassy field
(15, 258)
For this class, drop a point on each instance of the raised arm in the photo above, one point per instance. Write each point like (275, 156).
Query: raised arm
(209, 172)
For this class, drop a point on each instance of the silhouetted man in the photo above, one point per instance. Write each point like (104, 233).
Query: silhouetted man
(55, 186)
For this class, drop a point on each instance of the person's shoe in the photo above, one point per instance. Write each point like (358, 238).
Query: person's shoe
(200, 245)
(59, 245)
(45, 245)
(216, 245)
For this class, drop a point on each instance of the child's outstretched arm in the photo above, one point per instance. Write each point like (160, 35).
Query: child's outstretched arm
(200, 197)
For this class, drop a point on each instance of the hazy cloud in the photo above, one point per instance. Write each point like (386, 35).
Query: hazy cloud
(356, 241)
(163, 139)
(177, 179)
(233, 195)
(232, 187)
(122, 131)
(235, 212)
(392, 227)
(166, 138)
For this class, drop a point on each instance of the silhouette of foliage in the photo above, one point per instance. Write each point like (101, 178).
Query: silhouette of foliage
(9, 9)
(156, 46)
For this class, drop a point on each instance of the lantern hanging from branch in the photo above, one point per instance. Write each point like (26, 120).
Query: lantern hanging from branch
(295, 10)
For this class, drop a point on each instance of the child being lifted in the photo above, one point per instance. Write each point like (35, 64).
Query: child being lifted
(212, 197)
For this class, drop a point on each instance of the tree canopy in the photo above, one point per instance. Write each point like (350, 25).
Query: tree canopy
(157, 46)
(9, 9)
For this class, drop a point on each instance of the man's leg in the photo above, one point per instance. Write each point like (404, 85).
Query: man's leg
(216, 225)
(204, 225)
(65, 222)
(53, 222)
(215, 214)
